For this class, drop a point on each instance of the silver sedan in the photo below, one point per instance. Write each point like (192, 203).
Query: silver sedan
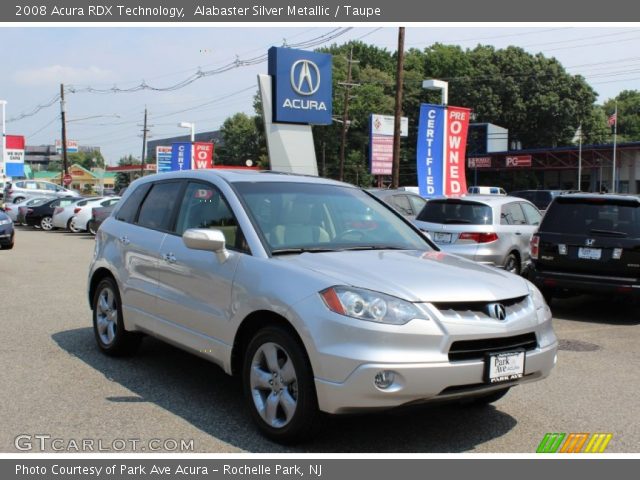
(319, 297)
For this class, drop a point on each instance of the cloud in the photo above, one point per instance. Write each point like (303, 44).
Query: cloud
(55, 74)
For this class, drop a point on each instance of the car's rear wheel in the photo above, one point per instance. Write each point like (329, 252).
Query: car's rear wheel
(92, 228)
(512, 264)
(46, 223)
(279, 386)
(73, 227)
(108, 325)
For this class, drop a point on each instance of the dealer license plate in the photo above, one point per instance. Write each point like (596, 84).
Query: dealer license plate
(590, 253)
(504, 366)
(441, 237)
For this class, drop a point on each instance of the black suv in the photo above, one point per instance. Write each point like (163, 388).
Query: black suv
(588, 243)
(540, 198)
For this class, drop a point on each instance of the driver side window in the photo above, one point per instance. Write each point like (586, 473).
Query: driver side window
(203, 206)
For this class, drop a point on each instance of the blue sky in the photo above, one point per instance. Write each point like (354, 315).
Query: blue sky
(36, 60)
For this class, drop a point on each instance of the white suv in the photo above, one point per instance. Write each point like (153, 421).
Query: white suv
(24, 189)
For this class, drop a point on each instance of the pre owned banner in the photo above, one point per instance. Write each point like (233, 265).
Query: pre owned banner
(181, 156)
(202, 155)
(442, 140)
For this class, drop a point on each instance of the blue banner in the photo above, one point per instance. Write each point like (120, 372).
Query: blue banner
(180, 156)
(14, 169)
(163, 159)
(301, 83)
(430, 151)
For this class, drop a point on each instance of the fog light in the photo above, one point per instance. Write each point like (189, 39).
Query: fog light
(617, 253)
(384, 379)
(562, 249)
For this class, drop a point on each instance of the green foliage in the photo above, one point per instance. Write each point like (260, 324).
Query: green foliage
(242, 140)
(88, 160)
(628, 114)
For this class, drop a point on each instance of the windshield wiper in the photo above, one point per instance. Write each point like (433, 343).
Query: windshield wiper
(613, 233)
(374, 247)
(289, 251)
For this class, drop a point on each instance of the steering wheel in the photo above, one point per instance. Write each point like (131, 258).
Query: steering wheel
(352, 231)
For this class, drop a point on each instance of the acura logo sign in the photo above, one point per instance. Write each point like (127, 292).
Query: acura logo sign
(305, 77)
(497, 311)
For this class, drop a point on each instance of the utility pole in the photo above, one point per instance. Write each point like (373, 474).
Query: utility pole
(395, 179)
(144, 142)
(345, 112)
(65, 165)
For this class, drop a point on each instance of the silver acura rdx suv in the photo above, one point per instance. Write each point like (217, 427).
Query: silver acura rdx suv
(317, 295)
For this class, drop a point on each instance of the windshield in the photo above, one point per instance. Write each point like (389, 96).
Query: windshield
(593, 217)
(296, 217)
(456, 212)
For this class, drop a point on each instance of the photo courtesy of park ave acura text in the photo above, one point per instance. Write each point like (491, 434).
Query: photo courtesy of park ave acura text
(315, 238)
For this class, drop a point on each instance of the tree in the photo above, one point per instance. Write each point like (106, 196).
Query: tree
(628, 128)
(88, 160)
(123, 179)
(241, 140)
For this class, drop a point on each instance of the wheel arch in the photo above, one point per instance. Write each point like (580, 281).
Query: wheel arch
(254, 322)
(100, 274)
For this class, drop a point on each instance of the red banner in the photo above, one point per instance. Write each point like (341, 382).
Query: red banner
(15, 142)
(455, 182)
(518, 161)
(202, 155)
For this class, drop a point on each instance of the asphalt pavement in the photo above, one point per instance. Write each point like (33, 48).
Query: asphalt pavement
(59, 392)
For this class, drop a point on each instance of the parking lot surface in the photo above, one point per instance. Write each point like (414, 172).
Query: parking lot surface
(56, 383)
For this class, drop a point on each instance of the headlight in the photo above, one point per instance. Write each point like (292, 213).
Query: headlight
(6, 221)
(369, 305)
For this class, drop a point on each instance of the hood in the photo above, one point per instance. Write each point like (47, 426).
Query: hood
(414, 275)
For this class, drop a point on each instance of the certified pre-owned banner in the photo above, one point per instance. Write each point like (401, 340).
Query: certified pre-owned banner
(181, 156)
(442, 140)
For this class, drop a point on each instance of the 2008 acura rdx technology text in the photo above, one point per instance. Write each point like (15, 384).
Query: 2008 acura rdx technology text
(319, 296)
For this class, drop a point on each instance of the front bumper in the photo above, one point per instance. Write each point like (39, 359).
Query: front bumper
(6, 236)
(423, 382)
(346, 354)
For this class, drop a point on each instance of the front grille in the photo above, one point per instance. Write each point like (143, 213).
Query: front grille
(476, 349)
(514, 307)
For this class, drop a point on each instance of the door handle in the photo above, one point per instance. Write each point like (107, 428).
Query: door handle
(518, 233)
(169, 258)
(124, 240)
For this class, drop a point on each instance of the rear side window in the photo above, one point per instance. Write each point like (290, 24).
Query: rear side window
(417, 203)
(129, 209)
(511, 214)
(157, 209)
(401, 203)
(593, 217)
(456, 212)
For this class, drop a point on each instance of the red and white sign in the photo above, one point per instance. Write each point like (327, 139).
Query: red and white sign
(13, 165)
(381, 154)
(518, 161)
(67, 179)
(455, 182)
(72, 146)
(479, 162)
(202, 155)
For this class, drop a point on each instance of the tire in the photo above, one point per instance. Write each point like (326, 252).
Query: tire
(8, 246)
(72, 226)
(512, 264)
(287, 379)
(108, 326)
(46, 223)
(91, 228)
(489, 397)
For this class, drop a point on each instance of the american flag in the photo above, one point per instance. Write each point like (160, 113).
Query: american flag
(613, 119)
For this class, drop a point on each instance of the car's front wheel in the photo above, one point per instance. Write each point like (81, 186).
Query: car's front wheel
(73, 227)
(279, 386)
(108, 325)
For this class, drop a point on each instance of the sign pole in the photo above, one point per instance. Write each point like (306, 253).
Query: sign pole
(65, 165)
(3, 159)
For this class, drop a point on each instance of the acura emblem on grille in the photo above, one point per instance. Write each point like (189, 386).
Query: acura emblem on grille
(497, 311)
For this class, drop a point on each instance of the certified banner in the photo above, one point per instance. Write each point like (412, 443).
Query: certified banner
(455, 183)
(180, 156)
(202, 155)
(430, 151)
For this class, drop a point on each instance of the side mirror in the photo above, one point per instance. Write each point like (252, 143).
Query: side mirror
(211, 240)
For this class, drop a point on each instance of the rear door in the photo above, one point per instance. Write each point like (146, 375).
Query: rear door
(593, 235)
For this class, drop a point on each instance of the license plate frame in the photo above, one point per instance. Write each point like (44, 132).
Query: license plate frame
(588, 253)
(494, 366)
(442, 237)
